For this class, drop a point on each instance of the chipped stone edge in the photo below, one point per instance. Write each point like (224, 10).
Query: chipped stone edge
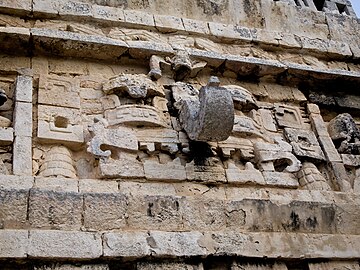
(22, 244)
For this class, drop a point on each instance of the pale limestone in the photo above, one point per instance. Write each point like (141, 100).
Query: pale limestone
(56, 184)
(22, 156)
(64, 244)
(23, 119)
(23, 88)
(14, 243)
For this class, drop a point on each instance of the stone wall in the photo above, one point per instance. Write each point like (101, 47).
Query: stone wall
(179, 135)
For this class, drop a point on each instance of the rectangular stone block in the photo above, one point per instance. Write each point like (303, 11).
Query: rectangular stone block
(6, 136)
(55, 210)
(105, 211)
(169, 171)
(16, 182)
(59, 91)
(230, 31)
(126, 244)
(280, 179)
(22, 155)
(348, 265)
(155, 212)
(195, 26)
(13, 244)
(23, 88)
(17, 7)
(168, 24)
(147, 189)
(13, 208)
(139, 18)
(23, 119)
(57, 266)
(98, 186)
(108, 13)
(329, 149)
(64, 244)
(58, 124)
(168, 266)
(177, 243)
(203, 214)
(57, 184)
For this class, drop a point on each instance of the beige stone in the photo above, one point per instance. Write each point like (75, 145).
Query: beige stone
(98, 186)
(173, 170)
(23, 119)
(56, 184)
(13, 244)
(23, 88)
(64, 244)
(22, 156)
(168, 266)
(55, 210)
(13, 210)
(168, 23)
(105, 211)
(334, 265)
(74, 267)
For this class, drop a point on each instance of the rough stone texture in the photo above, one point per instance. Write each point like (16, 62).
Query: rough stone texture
(55, 210)
(63, 244)
(13, 243)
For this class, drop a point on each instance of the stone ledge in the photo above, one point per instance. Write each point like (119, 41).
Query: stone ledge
(75, 245)
(91, 46)
(78, 11)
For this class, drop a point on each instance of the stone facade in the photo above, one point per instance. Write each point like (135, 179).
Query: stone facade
(179, 135)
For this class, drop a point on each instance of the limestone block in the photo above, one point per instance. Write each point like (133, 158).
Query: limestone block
(288, 116)
(195, 26)
(74, 8)
(247, 176)
(207, 173)
(108, 13)
(147, 188)
(73, 267)
(6, 136)
(105, 211)
(16, 182)
(178, 244)
(204, 214)
(329, 149)
(248, 266)
(167, 266)
(168, 24)
(351, 160)
(160, 103)
(24, 6)
(64, 244)
(312, 108)
(233, 143)
(280, 179)
(23, 88)
(13, 243)
(318, 125)
(230, 31)
(304, 143)
(136, 115)
(13, 208)
(57, 124)
(139, 18)
(173, 170)
(22, 156)
(155, 212)
(58, 91)
(126, 244)
(211, 118)
(267, 120)
(23, 119)
(56, 184)
(97, 186)
(126, 165)
(349, 265)
(339, 176)
(157, 135)
(55, 210)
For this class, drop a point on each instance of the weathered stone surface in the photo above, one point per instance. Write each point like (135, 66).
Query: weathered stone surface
(23, 119)
(57, 184)
(13, 208)
(13, 244)
(167, 266)
(22, 157)
(64, 244)
(105, 211)
(23, 88)
(170, 171)
(55, 210)
(210, 118)
(73, 267)
(156, 212)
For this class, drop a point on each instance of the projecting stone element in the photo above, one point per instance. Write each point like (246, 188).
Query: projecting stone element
(58, 162)
(243, 99)
(345, 134)
(275, 157)
(304, 143)
(211, 117)
(136, 86)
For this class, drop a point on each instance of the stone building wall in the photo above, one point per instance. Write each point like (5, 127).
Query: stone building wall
(201, 135)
